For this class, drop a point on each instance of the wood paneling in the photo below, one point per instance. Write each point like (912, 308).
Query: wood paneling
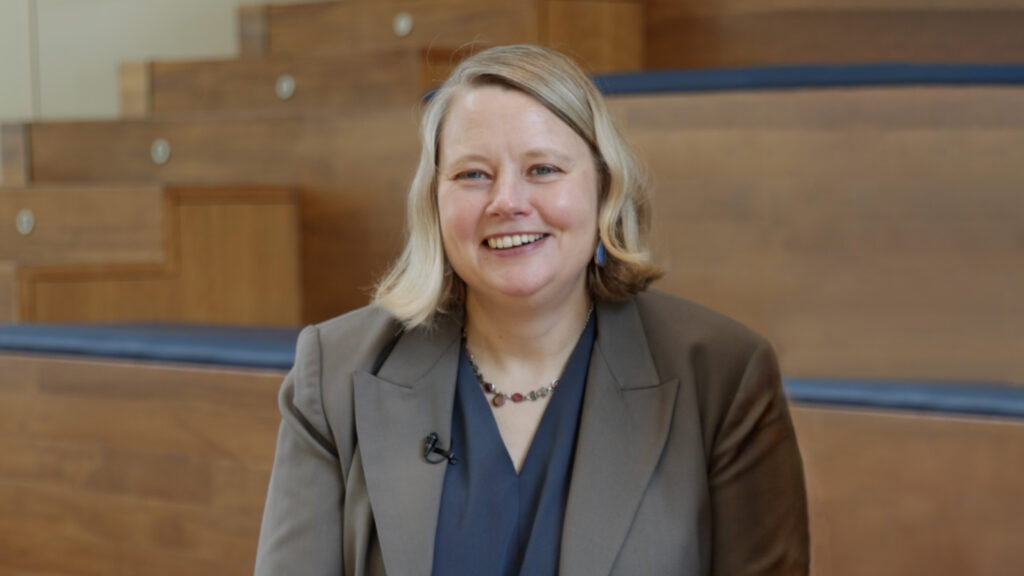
(868, 233)
(602, 36)
(115, 468)
(605, 34)
(353, 169)
(8, 291)
(684, 34)
(248, 86)
(892, 494)
(84, 224)
(232, 257)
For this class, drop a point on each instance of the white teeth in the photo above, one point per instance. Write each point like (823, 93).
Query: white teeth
(513, 240)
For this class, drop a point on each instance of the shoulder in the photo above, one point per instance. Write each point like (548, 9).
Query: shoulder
(354, 339)
(713, 354)
(675, 321)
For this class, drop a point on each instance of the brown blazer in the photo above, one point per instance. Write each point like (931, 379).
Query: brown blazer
(686, 460)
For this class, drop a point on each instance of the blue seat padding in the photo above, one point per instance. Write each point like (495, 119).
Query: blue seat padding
(178, 343)
(787, 77)
(921, 396)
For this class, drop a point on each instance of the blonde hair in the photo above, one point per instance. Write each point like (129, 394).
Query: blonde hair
(421, 283)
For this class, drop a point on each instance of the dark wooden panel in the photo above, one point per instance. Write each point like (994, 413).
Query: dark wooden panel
(868, 233)
(680, 36)
(603, 36)
(116, 468)
(320, 85)
(896, 494)
(607, 35)
(359, 26)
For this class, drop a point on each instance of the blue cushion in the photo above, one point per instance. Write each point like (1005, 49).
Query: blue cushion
(224, 345)
(274, 348)
(781, 77)
(949, 398)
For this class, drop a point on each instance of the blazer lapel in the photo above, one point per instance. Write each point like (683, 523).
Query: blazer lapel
(624, 424)
(410, 397)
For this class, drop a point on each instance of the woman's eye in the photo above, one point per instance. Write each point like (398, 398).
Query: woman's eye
(470, 175)
(543, 170)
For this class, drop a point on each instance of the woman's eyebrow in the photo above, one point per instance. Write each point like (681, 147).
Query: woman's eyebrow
(545, 153)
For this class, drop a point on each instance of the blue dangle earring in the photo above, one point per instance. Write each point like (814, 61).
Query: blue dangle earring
(599, 254)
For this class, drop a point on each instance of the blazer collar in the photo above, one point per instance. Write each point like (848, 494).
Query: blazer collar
(623, 428)
(410, 397)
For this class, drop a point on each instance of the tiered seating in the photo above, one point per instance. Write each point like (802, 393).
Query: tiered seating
(352, 169)
(729, 33)
(116, 253)
(604, 35)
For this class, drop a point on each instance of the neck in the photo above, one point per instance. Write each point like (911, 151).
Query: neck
(509, 336)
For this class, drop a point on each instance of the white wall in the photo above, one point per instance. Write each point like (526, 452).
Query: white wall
(65, 63)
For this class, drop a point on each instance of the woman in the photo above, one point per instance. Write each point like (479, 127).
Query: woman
(515, 401)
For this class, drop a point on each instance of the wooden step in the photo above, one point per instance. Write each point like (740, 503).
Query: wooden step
(128, 468)
(82, 224)
(353, 169)
(899, 493)
(229, 256)
(280, 84)
(768, 32)
(604, 35)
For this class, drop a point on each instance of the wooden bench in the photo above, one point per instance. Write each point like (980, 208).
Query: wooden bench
(119, 253)
(687, 34)
(129, 466)
(605, 35)
(120, 468)
(281, 84)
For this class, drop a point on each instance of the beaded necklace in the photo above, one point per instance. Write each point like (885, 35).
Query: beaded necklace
(499, 397)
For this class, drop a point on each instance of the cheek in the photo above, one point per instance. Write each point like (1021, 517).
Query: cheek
(456, 218)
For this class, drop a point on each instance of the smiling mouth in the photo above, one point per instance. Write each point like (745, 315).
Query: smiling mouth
(513, 240)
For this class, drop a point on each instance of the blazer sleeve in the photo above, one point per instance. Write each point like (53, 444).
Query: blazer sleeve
(758, 497)
(301, 530)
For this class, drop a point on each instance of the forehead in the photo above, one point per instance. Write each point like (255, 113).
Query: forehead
(493, 118)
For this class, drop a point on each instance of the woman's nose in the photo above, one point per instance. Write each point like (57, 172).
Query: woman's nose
(510, 196)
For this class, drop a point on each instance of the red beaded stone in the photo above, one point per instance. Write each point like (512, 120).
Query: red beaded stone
(489, 387)
(517, 397)
(498, 401)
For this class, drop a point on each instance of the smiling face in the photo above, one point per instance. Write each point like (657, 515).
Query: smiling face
(517, 196)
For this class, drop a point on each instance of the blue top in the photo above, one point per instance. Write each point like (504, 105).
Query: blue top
(491, 520)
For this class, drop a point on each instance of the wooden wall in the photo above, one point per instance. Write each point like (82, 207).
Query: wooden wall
(869, 233)
(730, 33)
(118, 468)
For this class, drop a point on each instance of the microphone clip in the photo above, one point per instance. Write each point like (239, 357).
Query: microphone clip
(430, 448)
